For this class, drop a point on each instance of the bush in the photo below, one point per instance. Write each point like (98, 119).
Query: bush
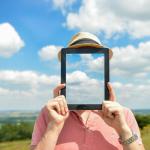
(143, 120)
(146, 130)
(10, 132)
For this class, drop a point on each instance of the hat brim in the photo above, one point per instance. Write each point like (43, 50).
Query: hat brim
(94, 45)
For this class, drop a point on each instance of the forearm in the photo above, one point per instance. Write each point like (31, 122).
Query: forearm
(132, 146)
(49, 139)
(126, 134)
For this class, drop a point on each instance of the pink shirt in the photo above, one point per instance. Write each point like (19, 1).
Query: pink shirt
(75, 135)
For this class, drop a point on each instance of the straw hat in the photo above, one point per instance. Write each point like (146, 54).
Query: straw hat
(85, 39)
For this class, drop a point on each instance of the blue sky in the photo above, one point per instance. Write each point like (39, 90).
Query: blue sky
(38, 24)
(32, 32)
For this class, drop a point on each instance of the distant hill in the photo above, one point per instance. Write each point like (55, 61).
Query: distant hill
(141, 111)
(17, 116)
(30, 116)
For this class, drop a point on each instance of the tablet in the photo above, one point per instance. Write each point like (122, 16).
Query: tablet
(85, 71)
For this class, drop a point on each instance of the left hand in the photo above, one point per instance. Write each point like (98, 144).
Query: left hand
(113, 113)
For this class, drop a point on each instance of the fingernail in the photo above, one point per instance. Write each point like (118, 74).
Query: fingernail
(66, 109)
(62, 113)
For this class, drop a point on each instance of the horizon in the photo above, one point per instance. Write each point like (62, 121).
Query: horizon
(28, 110)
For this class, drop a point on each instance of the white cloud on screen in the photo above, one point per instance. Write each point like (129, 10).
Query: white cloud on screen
(113, 17)
(89, 63)
(10, 41)
(83, 89)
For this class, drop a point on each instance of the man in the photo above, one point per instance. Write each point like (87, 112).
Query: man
(112, 128)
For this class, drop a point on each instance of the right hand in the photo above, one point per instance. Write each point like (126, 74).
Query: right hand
(57, 108)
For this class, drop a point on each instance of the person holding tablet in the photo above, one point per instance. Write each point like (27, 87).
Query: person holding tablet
(112, 128)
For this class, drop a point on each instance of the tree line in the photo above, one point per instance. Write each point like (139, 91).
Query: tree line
(23, 130)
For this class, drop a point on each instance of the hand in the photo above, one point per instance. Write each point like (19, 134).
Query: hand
(113, 113)
(57, 108)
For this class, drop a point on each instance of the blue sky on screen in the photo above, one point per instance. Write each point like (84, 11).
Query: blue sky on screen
(33, 31)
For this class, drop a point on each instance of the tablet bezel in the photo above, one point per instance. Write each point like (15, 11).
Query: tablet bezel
(84, 50)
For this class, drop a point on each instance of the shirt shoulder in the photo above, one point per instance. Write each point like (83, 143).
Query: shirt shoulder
(40, 126)
(132, 123)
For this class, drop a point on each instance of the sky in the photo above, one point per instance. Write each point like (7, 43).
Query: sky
(33, 31)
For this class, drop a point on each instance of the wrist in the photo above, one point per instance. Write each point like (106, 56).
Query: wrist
(125, 132)
(55, 127)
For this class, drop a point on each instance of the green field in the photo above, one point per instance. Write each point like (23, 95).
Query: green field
(15, 145)
(24, 145)
(146, 137)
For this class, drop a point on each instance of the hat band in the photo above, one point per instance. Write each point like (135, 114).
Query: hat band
(83, 41)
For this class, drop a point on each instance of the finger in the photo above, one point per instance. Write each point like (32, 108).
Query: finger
(111, 111)
(111, 103)
(54, 105)
(104, 109)
(61, 104)
(57, 107)
(114, 110)
(112, 95)
(56, 91)
(65, 104)
(66, 115)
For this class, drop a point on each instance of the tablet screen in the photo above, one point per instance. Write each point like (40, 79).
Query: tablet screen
(85, 78)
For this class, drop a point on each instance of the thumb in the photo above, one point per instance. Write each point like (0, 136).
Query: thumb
(112, 95)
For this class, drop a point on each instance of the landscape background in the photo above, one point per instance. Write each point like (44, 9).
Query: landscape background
(16, 128)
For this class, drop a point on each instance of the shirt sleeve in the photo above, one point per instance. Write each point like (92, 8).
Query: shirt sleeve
(39, 127)
(132, 123)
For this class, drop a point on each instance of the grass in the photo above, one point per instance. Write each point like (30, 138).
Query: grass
(24, 144)
(15, 145)
(146, 142)
(146, 137)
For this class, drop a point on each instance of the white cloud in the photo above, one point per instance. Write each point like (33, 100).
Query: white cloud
(27, 77)
(10, 41)
(132, 95)
(77, 76)
(86, 57)
(96, 64)
(31, 90)
(39, 87)
(79, 87)
(49, 52)
(131, 61)
(25, 89)
(63, 4)
(112, 17)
